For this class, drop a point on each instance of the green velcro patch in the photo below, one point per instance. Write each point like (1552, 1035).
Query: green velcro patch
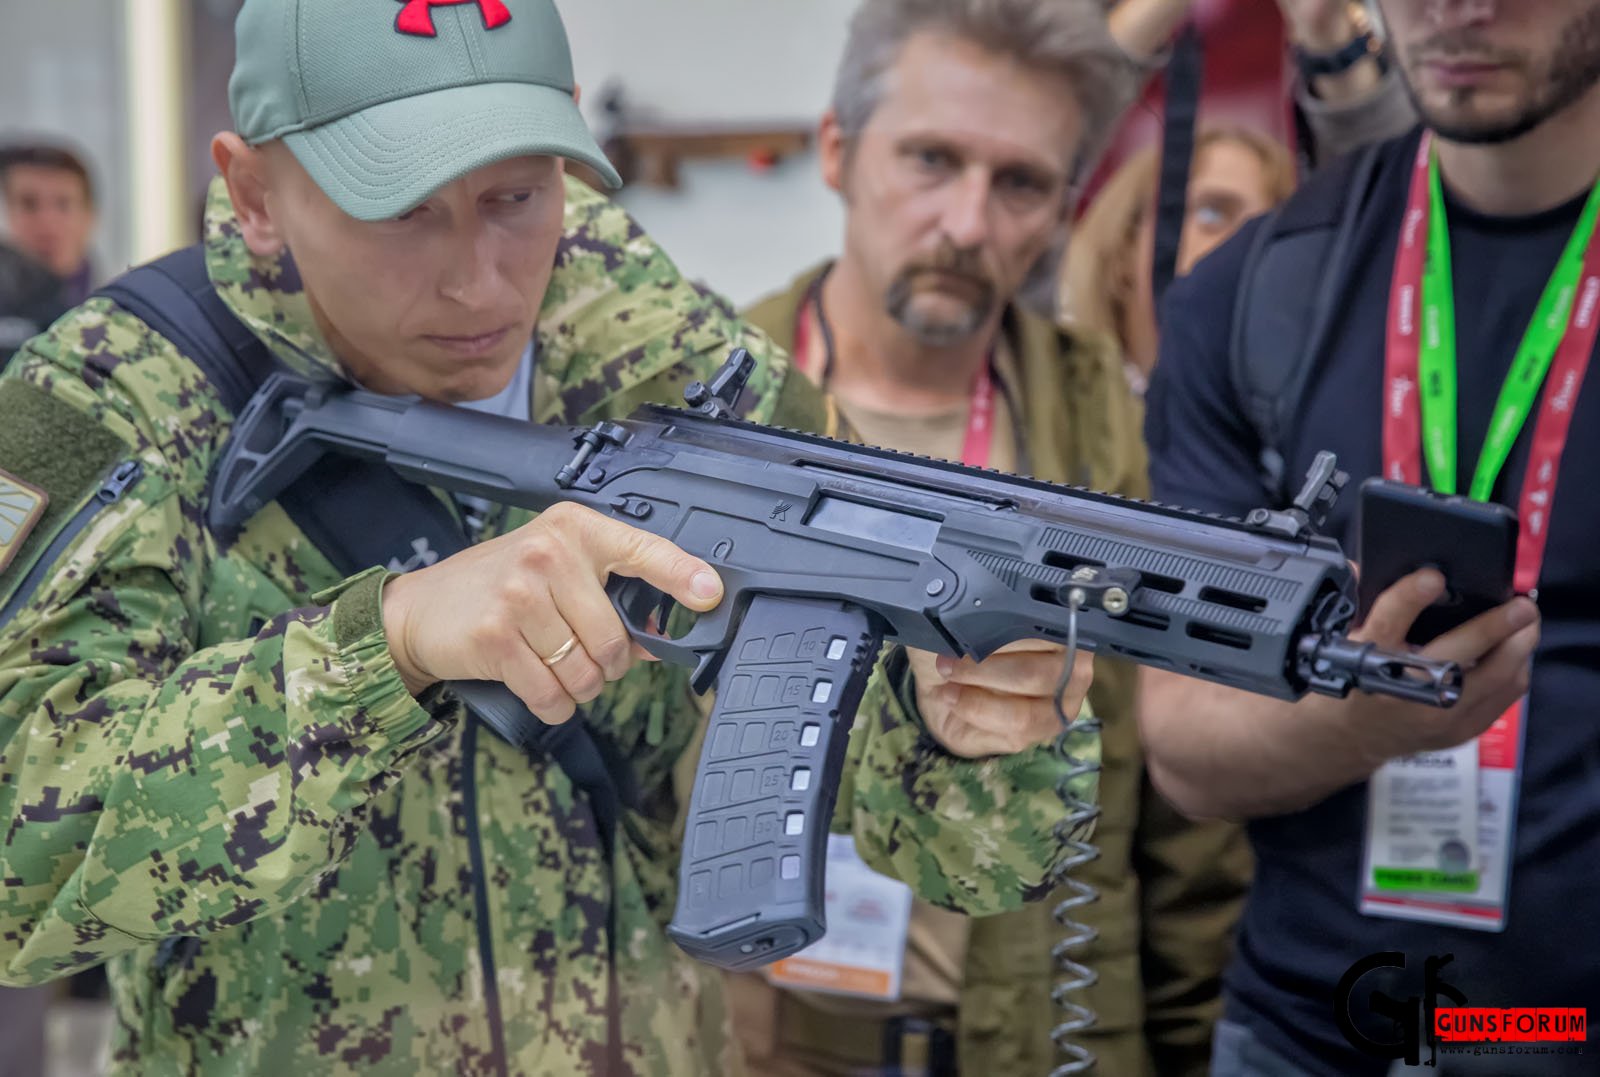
(358, 612)
(50, 447)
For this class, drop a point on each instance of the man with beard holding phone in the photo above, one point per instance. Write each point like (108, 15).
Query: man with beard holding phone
(1464, 321)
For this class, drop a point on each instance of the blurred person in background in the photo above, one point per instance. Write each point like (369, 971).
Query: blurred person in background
(50, 211)
(1461, 266)
(31, 297)
(1106, 281)
(957, 134)
(1346, 91)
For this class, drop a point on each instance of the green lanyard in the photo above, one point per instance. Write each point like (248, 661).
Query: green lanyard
(1437, 361)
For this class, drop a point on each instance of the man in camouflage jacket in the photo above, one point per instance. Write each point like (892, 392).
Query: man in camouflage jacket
(228, 773)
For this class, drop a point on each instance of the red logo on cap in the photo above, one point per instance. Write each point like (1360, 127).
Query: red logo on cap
(417, 15)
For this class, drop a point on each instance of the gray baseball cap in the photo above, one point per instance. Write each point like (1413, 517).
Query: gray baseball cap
(386, 101)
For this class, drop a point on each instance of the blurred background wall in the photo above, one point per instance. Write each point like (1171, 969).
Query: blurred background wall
(720, 61)
(743, 227)
(757, 63)
(61, 77)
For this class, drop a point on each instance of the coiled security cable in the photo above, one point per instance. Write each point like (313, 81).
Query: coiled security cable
(1069, 831)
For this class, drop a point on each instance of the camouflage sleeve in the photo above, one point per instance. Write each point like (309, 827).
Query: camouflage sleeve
(152, 787)
(974, 835)
(621, 327)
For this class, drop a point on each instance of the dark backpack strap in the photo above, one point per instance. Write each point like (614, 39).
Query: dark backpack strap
(175, 297)
(1288, 296)
(358, 514)
(361, 515)
(334, 503)
(337, 500)
(1185, 75)
(592, 764)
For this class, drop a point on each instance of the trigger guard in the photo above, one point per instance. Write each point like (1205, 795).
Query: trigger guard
(701, 647)
(634, 601)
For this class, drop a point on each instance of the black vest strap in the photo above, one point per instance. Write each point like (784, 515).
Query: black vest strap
(1288, 302)
(1185, 75)
(174, 296)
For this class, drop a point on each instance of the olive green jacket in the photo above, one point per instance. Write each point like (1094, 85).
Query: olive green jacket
(213, 778)
(1170, 890)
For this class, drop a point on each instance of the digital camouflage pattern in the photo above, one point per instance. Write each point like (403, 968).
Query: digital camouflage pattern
(212, 777)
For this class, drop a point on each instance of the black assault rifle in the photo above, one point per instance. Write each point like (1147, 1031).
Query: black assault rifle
(827, 550)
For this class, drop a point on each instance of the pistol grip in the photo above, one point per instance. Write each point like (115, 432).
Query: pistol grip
(750, 885)
(498, 707)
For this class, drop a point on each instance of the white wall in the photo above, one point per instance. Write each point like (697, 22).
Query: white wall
(61, 77)
(694, 61)
(711, 59)
(756, 61)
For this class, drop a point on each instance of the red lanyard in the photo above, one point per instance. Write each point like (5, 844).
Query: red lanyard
(1410, 318)
(975, 446)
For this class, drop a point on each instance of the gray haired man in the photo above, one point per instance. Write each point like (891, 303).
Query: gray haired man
(957, 134)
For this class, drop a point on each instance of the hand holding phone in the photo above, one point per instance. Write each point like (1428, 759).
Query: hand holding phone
(1472, 543)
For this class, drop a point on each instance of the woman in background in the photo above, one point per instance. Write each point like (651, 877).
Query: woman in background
(1106, 281)
(1345, 95)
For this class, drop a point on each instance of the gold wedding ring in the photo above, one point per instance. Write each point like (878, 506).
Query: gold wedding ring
(562, 652)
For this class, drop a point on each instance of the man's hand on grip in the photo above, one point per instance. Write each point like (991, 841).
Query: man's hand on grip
(529, 609)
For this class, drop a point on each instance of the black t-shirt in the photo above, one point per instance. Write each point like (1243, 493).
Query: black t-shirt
(1302, 928)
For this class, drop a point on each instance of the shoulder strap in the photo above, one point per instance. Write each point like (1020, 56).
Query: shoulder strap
(1185, 75)
(335, 502)
(1288, 293)
(174, 296)
(358, 514)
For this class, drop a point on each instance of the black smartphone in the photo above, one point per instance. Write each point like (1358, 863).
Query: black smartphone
(1473, 543)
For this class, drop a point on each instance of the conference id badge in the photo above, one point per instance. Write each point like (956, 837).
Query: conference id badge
(1433, 856)
(863, 952)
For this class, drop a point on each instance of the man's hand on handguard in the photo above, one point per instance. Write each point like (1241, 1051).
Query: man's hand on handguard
(1001, 705)
(529, 609)
(1493, 648)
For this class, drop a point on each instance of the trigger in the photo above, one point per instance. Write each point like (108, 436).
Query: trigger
(644, 611)
(662, 614)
